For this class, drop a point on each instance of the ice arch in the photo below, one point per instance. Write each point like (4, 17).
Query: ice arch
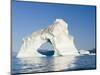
(57, 34)
(46, 49)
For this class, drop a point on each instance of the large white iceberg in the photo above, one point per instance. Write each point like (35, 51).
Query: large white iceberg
(57, 34)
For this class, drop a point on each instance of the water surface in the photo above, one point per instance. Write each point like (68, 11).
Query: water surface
(51, 64)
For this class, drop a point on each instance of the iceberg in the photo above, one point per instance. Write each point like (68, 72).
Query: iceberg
(82, 52)
(57, 34)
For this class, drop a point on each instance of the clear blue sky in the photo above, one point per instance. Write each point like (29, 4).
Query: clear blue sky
(29, 16)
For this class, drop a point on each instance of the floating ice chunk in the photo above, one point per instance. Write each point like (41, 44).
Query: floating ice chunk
(84, 52)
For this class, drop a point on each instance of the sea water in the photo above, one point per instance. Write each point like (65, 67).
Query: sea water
(52, 64)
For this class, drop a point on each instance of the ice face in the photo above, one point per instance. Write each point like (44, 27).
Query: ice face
(57, 34)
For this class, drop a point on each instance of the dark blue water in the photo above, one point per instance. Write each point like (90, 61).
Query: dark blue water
(51, 64)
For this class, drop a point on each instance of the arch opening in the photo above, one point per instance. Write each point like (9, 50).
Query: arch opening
(46, 49)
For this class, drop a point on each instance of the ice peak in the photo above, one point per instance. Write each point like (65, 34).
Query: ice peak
(59, 20)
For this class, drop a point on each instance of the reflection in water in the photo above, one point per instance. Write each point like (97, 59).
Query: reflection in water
(47, 64)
